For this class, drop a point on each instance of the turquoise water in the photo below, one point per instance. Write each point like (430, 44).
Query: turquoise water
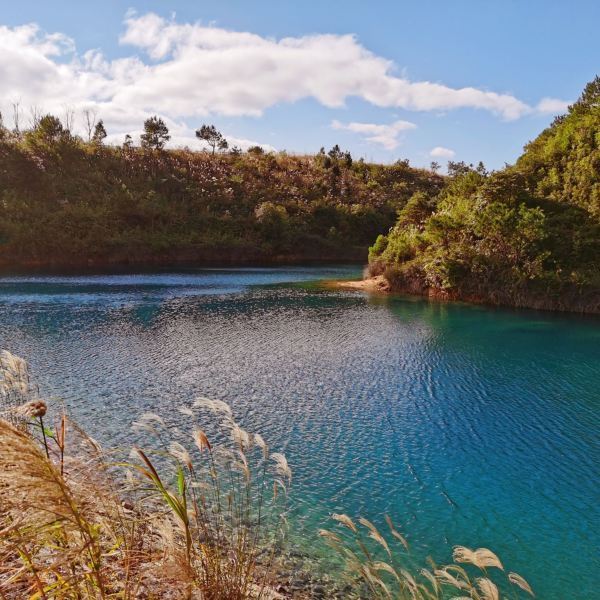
(468, 425)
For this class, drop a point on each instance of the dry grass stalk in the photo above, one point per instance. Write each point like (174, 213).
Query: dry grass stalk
(520, 582)
(171, 525)
(397, 577)
(175, 523)
(482, 557)
(15, 387)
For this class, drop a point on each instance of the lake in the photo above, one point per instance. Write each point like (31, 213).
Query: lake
(468, 425)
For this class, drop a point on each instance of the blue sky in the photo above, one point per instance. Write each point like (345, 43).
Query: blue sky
(297, 81)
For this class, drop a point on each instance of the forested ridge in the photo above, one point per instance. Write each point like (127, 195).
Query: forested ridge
(527, 235)
(69, 202)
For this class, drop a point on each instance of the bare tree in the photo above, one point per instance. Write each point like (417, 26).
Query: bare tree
(35, 114)
(16, 106)
(69, 117)
(89, 115)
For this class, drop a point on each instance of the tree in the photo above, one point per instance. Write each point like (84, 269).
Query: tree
(322, 158)
(99, 133)
(69, 117)
(255, 150)
(457, 168)
(128, 142)
(213, 137)
(156, 134)
(89, 115)
(481, 169)
(416, 211)
(434, 166)
(590, 96)
(48, 131)
(16, 106)
(335, 153)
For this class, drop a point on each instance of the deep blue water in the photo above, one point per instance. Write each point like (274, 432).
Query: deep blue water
(468, 425)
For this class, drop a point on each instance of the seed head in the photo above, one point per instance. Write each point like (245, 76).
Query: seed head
(33, 409)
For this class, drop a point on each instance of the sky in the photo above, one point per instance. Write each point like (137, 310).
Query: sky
(424, 80)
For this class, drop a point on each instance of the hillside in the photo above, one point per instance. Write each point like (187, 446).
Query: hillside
(65, 202)
(528, 235)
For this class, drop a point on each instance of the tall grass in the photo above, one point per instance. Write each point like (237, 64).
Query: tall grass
(204, 522)
(200, 517)
(380, 566)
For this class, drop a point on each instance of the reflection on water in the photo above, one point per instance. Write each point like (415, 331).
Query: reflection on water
(466, 424)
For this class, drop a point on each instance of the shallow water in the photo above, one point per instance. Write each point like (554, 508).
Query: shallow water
(468, 425)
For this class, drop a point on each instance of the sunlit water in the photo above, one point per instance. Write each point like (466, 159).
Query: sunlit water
(466, 424)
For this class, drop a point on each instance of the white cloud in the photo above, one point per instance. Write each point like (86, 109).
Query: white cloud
(242, 73)
(441, 152)
(191, 71)
(552, 106)
(386, 135)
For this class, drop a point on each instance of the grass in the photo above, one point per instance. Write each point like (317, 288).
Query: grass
(382, 568)
(203, 520)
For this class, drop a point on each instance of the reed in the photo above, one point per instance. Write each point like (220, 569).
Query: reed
(384, 569)
(189, 516)
(168, 523)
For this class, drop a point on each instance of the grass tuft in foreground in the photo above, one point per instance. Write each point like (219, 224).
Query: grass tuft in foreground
(206, 520)
(382, 568)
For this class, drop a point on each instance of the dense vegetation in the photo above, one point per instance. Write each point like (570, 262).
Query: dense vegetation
(65, 201)
(528, 235)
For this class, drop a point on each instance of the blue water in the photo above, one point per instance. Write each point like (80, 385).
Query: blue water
(468, 425)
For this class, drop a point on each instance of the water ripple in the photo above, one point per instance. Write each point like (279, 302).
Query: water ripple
(465, 424)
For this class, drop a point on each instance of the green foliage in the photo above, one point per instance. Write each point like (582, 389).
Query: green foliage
(67, 202)
(47, 133)
(255, 150)
(214, 138)
(416, 210)
(563, 162)
(527, 235)
(156, 134)
(99, 133)
(378, 248)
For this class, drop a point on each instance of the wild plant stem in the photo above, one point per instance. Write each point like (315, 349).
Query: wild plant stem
(44, 437)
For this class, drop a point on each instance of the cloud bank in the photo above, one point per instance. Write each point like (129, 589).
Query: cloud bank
(192, 71)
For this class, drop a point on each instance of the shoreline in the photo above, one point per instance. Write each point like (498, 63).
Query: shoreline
(377, 285)
(381, 286)
(148, 266)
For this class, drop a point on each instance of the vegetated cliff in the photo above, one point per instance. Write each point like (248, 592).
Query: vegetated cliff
(528, 235)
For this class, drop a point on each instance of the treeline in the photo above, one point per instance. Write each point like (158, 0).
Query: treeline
(528, 235)
(69, 201)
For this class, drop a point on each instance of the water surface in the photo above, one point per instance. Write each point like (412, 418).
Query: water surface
(466, 424)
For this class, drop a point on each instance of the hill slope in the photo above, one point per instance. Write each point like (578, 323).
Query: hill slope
(528, 235)
(64, 202)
